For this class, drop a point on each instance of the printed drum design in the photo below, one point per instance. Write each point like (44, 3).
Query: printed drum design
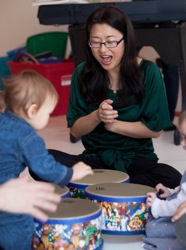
(76, 225)
(124, 211)
(77, 188)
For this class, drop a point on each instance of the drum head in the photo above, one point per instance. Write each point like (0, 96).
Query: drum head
(101, 176)
(117, 191)
(72, 210)
(64, 192)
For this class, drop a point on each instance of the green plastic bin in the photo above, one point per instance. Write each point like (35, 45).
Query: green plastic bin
(50, 41)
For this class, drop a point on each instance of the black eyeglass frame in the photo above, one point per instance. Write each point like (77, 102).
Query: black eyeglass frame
(106, 43)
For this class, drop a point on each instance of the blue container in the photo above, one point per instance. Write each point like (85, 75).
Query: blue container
(4, 70)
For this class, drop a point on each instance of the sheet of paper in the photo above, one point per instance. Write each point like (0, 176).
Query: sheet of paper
(54, 2)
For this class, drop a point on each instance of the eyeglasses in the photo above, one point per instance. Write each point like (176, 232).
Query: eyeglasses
(111, 44)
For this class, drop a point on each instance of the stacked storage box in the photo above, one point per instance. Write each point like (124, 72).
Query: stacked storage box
(59, 72)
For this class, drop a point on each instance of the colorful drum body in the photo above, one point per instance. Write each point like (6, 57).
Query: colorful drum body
(124, 211)
(64, 192)
(77, 188)
(75, 225)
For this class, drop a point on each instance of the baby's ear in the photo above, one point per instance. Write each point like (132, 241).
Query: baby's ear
(32, 111)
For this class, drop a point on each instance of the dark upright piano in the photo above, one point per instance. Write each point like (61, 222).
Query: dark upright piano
(158, 23)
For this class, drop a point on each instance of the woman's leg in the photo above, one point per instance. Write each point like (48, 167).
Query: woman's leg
(150, 173)
(70, 160)
(64, 158)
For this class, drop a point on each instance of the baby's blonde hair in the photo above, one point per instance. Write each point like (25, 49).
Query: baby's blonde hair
(25, 89)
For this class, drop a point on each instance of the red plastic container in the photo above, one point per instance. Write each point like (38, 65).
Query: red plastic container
(59, 74)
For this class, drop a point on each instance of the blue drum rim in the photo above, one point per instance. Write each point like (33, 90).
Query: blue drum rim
(126, 181)
(115, 199)
(83, 186)
(123, 233)
(75, 185)
(66, 221)
(65, 195)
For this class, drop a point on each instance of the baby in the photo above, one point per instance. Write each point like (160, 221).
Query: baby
(160, 230)
(29, 99)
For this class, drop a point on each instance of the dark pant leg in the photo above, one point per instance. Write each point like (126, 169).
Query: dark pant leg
(171, 79)
(64, 158)
(144, 172)
(70, 160)
(151, 173)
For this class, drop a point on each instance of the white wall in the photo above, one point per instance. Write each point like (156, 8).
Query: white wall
(18, 21)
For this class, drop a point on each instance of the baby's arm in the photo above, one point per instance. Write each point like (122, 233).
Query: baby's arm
(80, 170)
(162, 208)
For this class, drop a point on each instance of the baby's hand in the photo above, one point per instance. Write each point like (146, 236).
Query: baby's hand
(179, 212)
(150, 199)
(80, 170)
(163, 191)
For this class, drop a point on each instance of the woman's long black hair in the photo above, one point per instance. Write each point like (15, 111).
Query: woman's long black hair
(94, 80)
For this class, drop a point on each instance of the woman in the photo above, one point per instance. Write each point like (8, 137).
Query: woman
(118, 103)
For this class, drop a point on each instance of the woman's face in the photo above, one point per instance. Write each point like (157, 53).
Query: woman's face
(109, 58)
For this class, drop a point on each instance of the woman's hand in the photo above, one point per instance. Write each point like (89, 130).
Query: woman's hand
(86, 124)
(106, 113)
(25, 197)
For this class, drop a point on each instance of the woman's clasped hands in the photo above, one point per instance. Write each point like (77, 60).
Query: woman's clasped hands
(106, 113)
